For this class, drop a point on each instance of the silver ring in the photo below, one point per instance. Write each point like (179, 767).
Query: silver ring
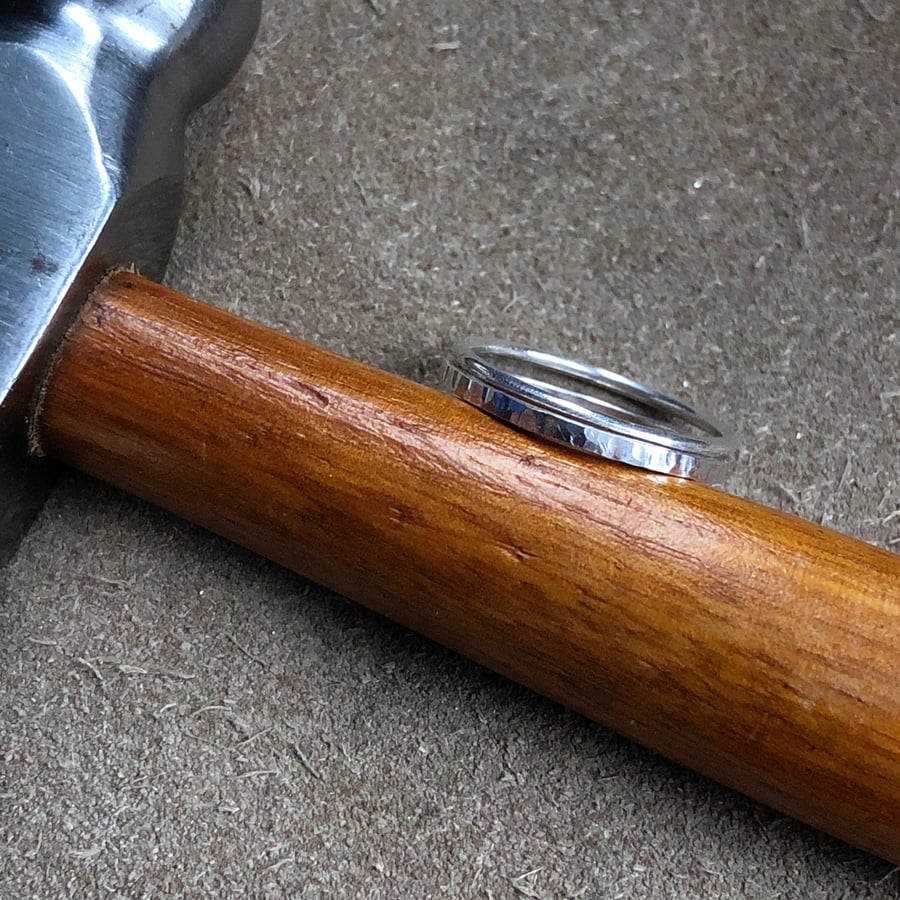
(618, 419)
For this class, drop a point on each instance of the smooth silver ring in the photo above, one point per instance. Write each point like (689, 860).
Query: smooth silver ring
(619, 419)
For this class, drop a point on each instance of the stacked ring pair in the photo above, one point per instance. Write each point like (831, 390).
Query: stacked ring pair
(588, 408)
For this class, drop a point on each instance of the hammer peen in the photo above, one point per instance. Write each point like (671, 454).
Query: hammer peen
(748, 644)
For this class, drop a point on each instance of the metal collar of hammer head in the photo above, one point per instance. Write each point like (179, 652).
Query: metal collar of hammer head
(95, 96)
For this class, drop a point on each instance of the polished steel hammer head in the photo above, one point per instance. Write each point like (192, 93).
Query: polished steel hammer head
(93, 99)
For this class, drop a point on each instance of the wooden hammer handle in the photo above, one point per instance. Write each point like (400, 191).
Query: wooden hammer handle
(750, 645)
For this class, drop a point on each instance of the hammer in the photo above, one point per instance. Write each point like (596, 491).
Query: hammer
(756, 648)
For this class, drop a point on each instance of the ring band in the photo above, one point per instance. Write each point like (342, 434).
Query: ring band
(619, 419)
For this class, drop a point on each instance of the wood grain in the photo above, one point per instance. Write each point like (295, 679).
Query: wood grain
(750, 645)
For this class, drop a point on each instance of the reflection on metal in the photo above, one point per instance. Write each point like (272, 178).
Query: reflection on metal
(589, 409)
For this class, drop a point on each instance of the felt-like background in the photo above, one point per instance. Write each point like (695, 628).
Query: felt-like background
(703, 196)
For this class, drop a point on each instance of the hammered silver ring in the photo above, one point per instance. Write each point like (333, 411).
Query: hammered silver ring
(602, 413)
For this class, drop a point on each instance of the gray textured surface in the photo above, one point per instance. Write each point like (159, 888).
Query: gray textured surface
(704, 198)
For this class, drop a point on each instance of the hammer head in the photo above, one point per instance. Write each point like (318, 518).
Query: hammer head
(95, 96)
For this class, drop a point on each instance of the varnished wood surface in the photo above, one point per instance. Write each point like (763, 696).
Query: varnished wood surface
(750, 645)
